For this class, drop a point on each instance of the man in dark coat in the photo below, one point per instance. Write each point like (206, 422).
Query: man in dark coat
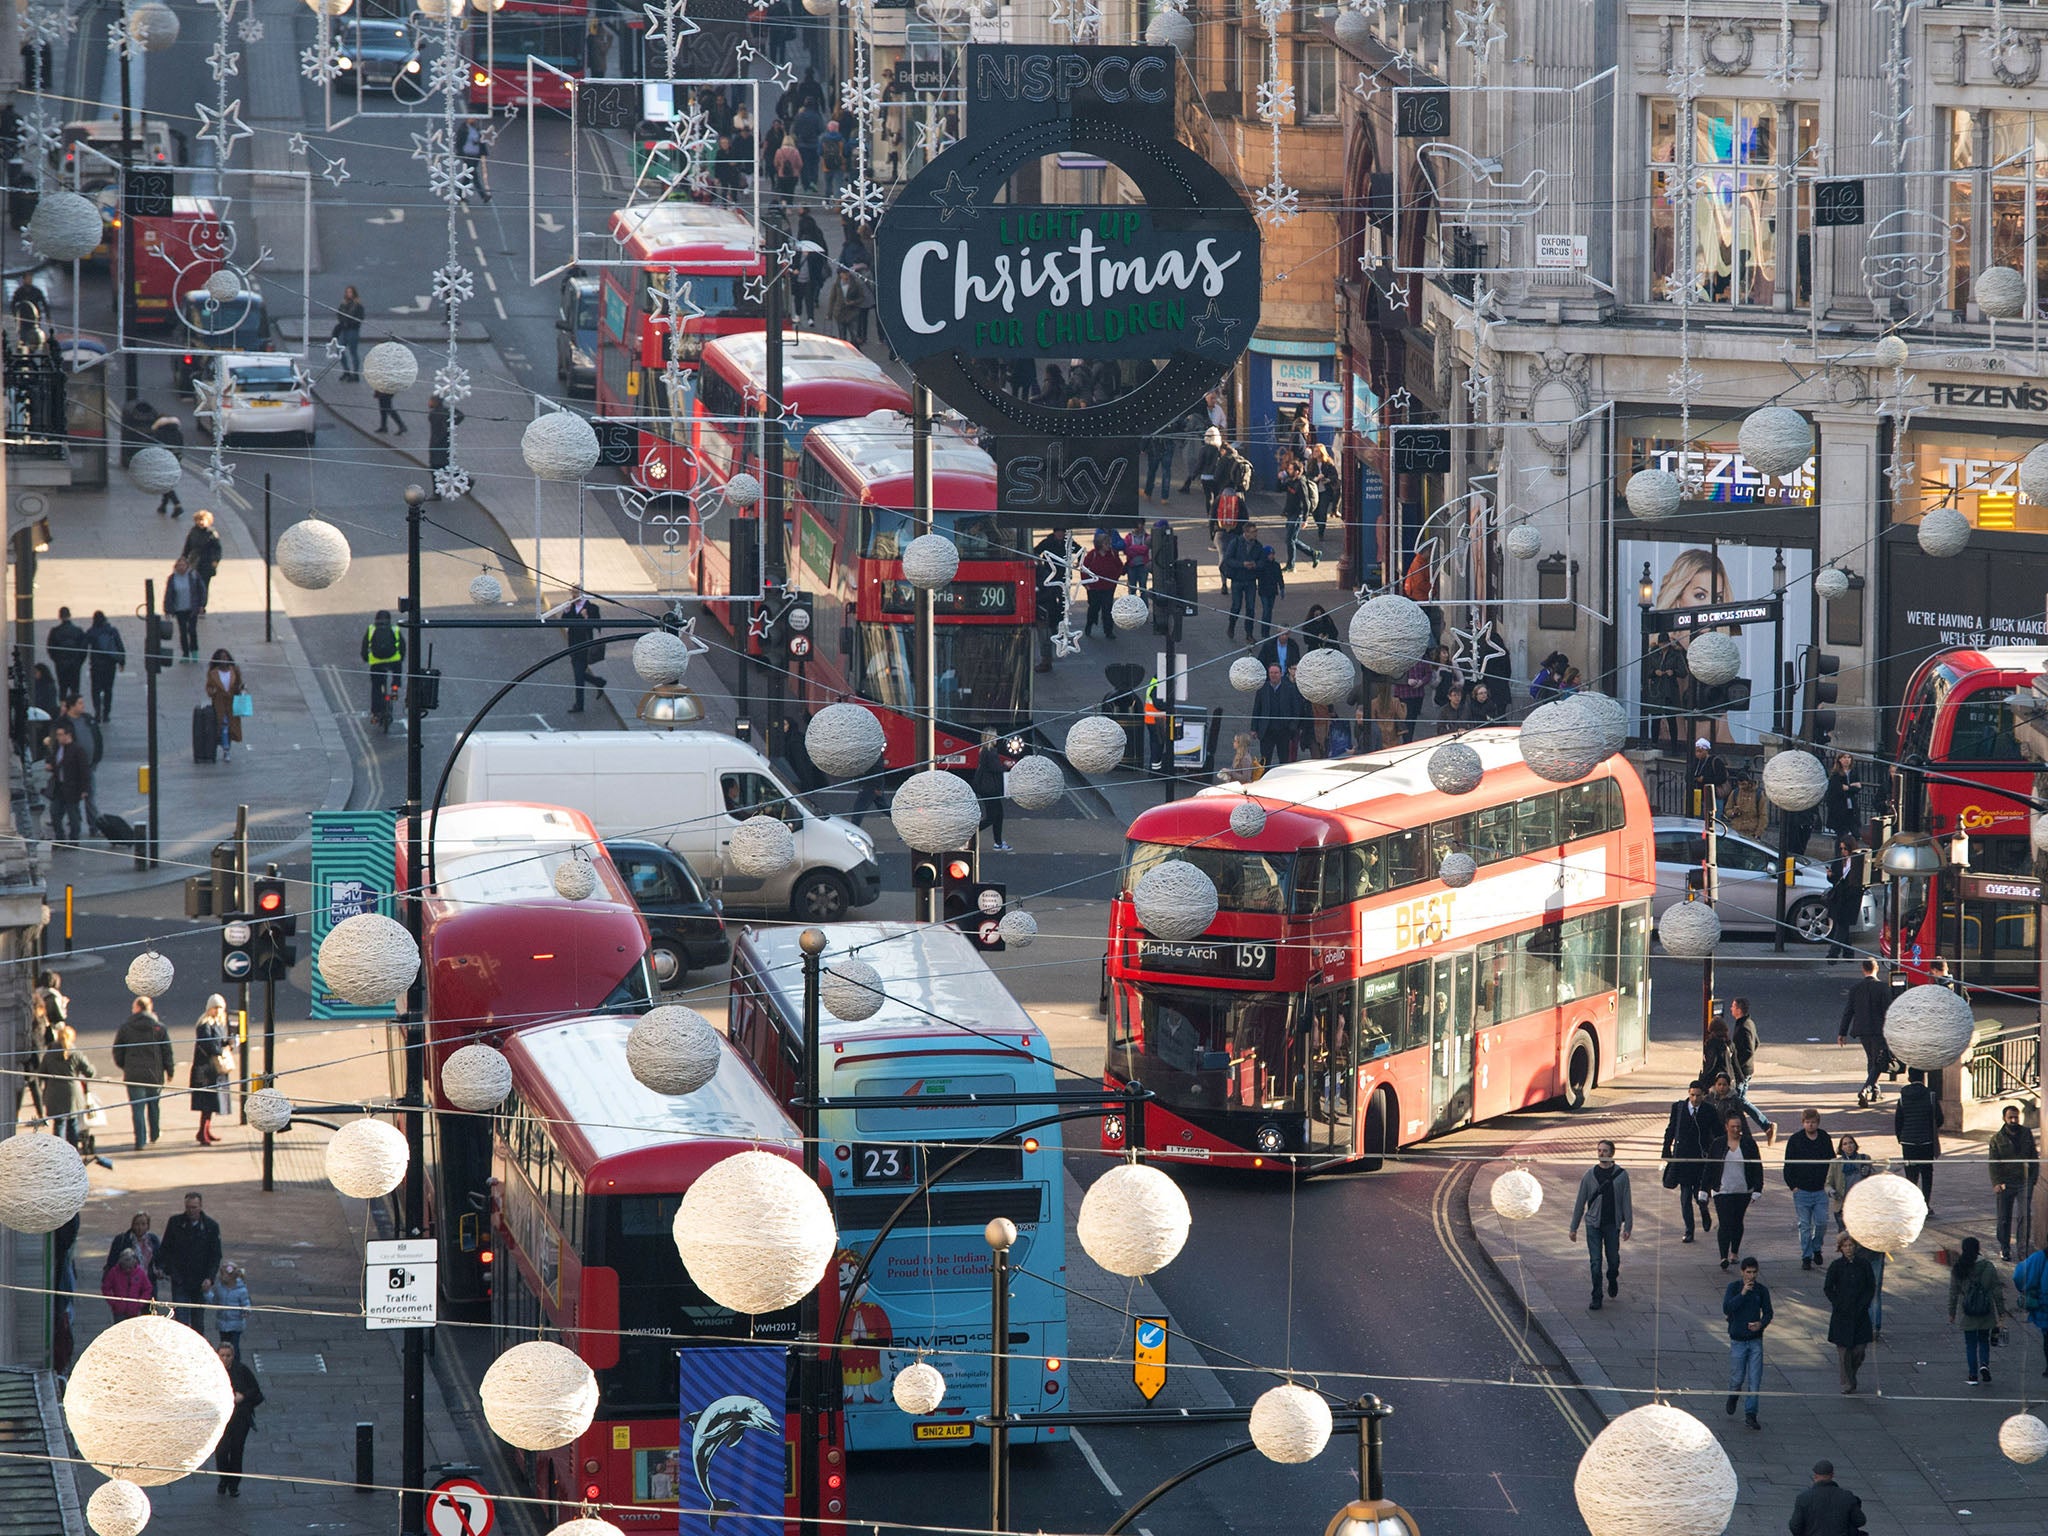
(1687, 1136)
(145, 1060)
(1863, 1017)
(202, 552)
(70, 780)
(68, 652)
(227, 1456)
(188, 1257)
(582, 615)
(1827, 1508)
(1278, 714)
(2015, 1164)
(442, 419)
(1917, 1123)
(1845, 896)
(107, 656)
(1851, 1287)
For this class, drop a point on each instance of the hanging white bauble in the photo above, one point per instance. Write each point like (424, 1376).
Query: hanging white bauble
(2000, 292)
(42, 1182)
(1352, 27)
(1325, 676)
(1018, 928)
(1830, 583)
(268, 1111)
(1795, 781)
(1247, 818)
(1689, 930)
(150, 974)
(1455, 769)
(762, 846)
(1457, 869)
(1247, 674)
(1775, 440)
(486, 591)
(1944, 533)
(844, 740)
(1655, 1471)
(586, 1525)
(438, 10)
(1290, 1424)
(742, 491)
(575, 879)
(1171, 29)
(851, 990)
(1133, 1220)
(1714, 658)
(1523, 542)
(366, 1159)
(476, 1077)
(312, 554)
(821, 7)
(65, 227)
(2023, 1438)
(154, 469)
(559, 446)
(660, 657)
(1389, 634)
(1605, 717)
(1653, 494)
(672, 1050)
(1095, 745)
(154, 27)
(754, 1233)
(225, 286)
(538, 1396)
(1130, 611)
(930, 561)
(368, 959)
(2034, 476)
(1929, 1027)
(1517, 1195)
(1036, 783)
(1559, 743)
(147, 1401)
(1884, 1212)
(2037, 832)
(1175, 900)
(935, 811)
(390, 368)
(1890, 352)
(918, 1389)
(331, 7)
(117, 1508)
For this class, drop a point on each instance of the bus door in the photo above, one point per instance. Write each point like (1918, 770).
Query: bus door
(1632, 1003)
(1333, 1072)
(1450, 1044)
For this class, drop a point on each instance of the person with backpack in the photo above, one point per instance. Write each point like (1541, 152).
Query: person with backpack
(1544, 686)
(787, 166)
(2030, 1280)
(383, 652)
(1240, 580)
(1298, 492)
(1208, 461)
(105, 655)
(1976, 1300)
(832, 156)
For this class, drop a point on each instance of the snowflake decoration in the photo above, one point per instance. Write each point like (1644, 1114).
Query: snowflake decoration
(40, 133)
(453, 285)
(320, 63)
(223, 128)
(250, 31)
(863, 96)
(1081, 20)
(861, 201)
(451, 482)
(451, 382)
(52, 26)
(449, 178)
(1685, 382)
(695, 136)
(449, 72)
(1276, 101)
(336, 171)
(297, 147)
(117, 39)
(1685, 81)
(1276, 203)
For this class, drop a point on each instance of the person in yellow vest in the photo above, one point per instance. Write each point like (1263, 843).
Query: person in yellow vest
(1158, 729)
(384, 651)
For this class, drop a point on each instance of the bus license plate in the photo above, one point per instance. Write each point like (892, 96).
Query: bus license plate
(943, 1432)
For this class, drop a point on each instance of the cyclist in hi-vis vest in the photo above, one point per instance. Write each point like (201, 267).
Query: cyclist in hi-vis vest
(1158, 729)
(384, 650)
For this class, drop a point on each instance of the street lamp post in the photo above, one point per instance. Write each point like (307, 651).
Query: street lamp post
(412, 1507)
(1646, 598)
(808, 1388)
(1001, 1234)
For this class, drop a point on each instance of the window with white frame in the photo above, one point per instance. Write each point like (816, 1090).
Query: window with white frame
(1751, 241)
(1998, 200)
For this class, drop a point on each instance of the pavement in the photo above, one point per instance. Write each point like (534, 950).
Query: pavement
(1918, 1445)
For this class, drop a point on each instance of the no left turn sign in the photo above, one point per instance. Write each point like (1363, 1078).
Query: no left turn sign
(460, 1507)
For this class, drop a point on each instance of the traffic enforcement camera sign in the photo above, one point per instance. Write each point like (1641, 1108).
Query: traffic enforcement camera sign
(399, 1281)
(460, 1507)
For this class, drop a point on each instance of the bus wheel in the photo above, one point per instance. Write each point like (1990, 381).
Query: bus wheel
(1379, 1119)
(820, 897)
(1578, 1075)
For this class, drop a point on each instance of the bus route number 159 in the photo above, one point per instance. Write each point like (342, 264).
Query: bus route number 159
(1254, 958)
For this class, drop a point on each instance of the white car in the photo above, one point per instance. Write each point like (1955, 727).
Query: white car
(1749, 883)
(259, 394)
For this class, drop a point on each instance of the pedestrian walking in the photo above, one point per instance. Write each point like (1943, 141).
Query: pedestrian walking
(1051, 552)
(1746, 1304)
(347, 334)
(2015, 1164)
(388, 418)
(1852, 1165)
(1739, 1180)
(1863, 1018)
(1604, 1206)
(1160, 448)
(234, 1440)
(1841, 797)
(70, 780)
(1844, 898)
(92, 746)
(1138, 557)
(1270, 582)
(1917, 1122)
(107, 655)
(64, 1074)
(846, 305)
(582, 615)
(474, 148)
(1827, 1508)
(188, 1257)
(169, 432)
(1298, 493)
(1237, 566)
(1743, 1043)
(1688, 1134)
(1809, 1153)
(135, 1235)
(1976, 1301)
(2030, 1281)
(127, 1286)
(442, 420)
(1284, 650)
(1716, 1052)
(68, 652)
(213, 1067)
(184, 598)
(202, 553)
(229, 698)
(1208, 461)
(1101, 569)
(235, 1304)
(1851, 1290)
(987, 781)
(146, 1061)
(1277, 713)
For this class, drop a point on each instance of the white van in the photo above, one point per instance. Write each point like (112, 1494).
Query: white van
(685, 789)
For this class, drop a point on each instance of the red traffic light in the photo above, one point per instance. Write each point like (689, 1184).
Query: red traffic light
(959, 868)
(269, 901)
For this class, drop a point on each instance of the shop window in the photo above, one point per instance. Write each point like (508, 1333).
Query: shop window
(1316, 70)
(1750, 240)
(1998, 200)
(1978, 475)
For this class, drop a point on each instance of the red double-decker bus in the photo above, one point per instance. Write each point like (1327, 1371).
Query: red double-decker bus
(707, 249)
(1346, 1001)
(1981, 912)
(590, 1168)
(852, 519)
(501, 44)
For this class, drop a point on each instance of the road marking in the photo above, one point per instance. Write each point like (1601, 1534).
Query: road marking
(1095, 1463)
(466, 219)
(490, 282)
(543, 719)
(499, 305)
(397, 216)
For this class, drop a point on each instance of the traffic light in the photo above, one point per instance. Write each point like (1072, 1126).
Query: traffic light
(925, 872)
(973, 906)
(156, 643)
(237, 947)
(271, 950)
(1818, 670)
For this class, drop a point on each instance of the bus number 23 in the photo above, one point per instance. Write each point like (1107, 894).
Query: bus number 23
(1427, 921)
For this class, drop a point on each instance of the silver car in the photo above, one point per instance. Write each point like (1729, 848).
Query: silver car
(1749, 891)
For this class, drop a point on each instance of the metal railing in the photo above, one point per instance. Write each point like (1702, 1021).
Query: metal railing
(2006, 1061)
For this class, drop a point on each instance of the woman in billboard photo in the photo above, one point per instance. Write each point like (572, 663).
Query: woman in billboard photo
(1697, 579)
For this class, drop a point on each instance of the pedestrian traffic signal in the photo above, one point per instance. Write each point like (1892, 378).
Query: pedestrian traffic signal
(971, 904)
(1819, 667)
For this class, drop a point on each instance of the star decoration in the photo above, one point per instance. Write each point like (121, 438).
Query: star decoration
(956, 196)
(224, 62)
(1479, 393)
(783, 74)
(933, 139)
(1480, 31)
(220, 476)
(1080, 19)
(205, 396)
(335, 350)
(744, 53)
(1399, 400)
(451, 382)
(754, 289)
(1276, 203)
(453, 284)
(223, 128)
(296, 146)
(320, 64)
(1275, 101)
(451, 482)
(790, 417)
(1064, 641)
(336, 171)
(425, 146)
(497, 125)
(250, 31)
(448, 72)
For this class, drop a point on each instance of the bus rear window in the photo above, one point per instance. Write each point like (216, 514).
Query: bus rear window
(1245, 882)
(923, 1121)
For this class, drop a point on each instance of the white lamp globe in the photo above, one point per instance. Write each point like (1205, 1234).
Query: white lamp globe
(1389, 634)
(1133, 1220)
(1457, 869)
(2034, 475)
(1290, 1424)
(575, 879)
(1036, 783)
(851, 990)
(1095, 744)
(312, 554)
(672, 1050)
(1517, 1195)
(1171, 29)
(42, 1182)
(1655, 1471)
(1795, 781)
(1714, 658)
(1929, 1027)
(2000, 292)
(844, 740)
(742, 491)
(1775, 440)
(368, 959)
(486, 591)
(390, 368)
(1890, 352)
(268, 1110)
(1018, 928)
(918, 1389)
(1689, 930)
(150, 974)
(1352, 28)
(1559, 743)
(154, 469)
(1884, 1212)
(64, 227)
(1523, 542)
(754, 1233)
(1248, 818)
(1247, 674)
(762, 846)
(1175, 900)
(225, 286)
(152, 26)
(2023, 1438)
(117, 1508)
(147, 1401)
(1830, 583)
(930, 560)
(1130, 611)
(476, 1077)
(1944, 533)
(538, 1396)
(1325, 676)
(660, 657)
(1653, 494)
(935, 810)
(1456, 769)
(559, 446)
(366, 1159)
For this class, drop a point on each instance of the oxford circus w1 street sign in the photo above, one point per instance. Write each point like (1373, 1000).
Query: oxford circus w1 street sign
(971, 281)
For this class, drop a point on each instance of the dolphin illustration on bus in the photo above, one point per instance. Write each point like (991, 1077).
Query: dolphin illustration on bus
(712, 1429)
